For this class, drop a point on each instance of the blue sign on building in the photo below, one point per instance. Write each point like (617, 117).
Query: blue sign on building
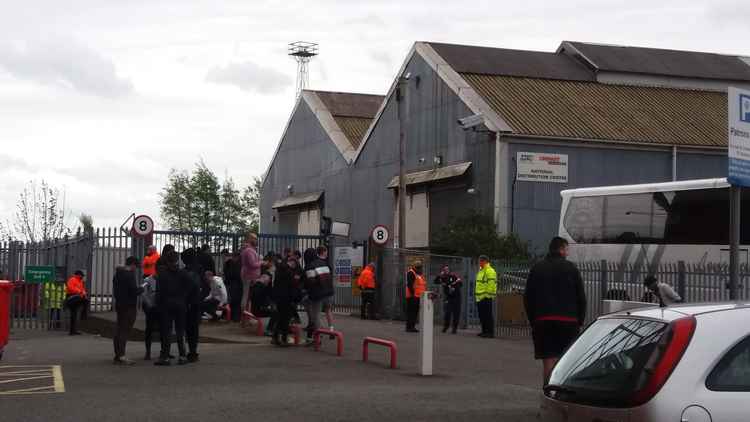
(745, 108)
(739, 137)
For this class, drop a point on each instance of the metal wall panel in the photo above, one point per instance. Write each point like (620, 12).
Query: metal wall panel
(308, 161)
(434, 131)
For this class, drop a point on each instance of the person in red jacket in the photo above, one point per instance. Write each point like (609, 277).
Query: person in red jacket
(149, 261)
(366, 283)
(76, 298)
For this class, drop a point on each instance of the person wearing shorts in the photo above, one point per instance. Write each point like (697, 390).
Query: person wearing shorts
(555, 303)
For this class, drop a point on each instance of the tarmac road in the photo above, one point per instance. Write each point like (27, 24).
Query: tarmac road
(476, 380)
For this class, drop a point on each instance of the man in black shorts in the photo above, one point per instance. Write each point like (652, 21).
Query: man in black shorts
(555, 304)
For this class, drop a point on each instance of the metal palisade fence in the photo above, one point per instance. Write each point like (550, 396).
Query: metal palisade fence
(36, 304)
(98, 253)
(603, 280)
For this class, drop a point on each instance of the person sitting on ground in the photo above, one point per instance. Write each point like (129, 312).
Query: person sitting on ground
(664, 293)
(216, 298)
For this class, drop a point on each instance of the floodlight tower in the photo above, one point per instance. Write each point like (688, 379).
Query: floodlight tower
(302, 52)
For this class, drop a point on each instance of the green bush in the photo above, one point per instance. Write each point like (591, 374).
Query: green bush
(476, 234)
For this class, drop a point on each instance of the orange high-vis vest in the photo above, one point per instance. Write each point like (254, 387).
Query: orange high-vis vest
(75, 286)
(149, 264)
(366, 279)
(419, 285)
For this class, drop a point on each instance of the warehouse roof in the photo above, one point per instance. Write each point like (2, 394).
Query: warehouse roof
(344, 116)
(688, 64)
(501, 61)
(594, 111)
(353, 113)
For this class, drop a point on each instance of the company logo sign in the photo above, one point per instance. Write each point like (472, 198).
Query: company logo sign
(745, 108)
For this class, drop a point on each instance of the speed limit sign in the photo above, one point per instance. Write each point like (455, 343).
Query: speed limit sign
(380, 235)
(143, 225)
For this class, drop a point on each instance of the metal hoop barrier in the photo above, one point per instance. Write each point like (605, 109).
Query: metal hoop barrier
(296, 331)
(382, 342)
(339, 339)
(247, 316)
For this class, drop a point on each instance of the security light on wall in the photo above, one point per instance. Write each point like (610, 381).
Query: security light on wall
(469, 122)
(290, 188)
(472, 191)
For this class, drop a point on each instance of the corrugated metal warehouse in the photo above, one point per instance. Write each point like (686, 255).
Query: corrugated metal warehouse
(585, 115)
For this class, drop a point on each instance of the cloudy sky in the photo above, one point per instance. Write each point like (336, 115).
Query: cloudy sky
(103, 97)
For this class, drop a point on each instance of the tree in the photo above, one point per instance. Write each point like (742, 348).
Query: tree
(476, 234)
(198, 202)
(87, 222)
(251, 203)
(40, 214)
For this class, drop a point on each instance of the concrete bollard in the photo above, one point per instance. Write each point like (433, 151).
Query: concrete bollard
(426, 333)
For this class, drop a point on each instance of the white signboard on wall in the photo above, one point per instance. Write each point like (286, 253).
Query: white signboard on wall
(541, 167)
(347, 262)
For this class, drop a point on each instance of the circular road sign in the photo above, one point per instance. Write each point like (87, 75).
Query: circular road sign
(143, 225)
(380, 235)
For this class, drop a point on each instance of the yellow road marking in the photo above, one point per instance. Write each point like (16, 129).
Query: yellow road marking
(59, 383)
(33, 374)
(9, 374)
(25, 379)
(35, 390)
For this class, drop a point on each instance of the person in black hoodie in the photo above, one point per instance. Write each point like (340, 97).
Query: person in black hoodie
(233, 279)
(126, 291)
(319, 286)
(287, 272)
(451, 283)
(198, 289)
(555, 303)
(172, 289)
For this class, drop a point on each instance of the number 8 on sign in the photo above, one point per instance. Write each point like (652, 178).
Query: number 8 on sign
(143, 225)
(380, 235)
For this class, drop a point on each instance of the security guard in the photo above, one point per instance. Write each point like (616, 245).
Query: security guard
(366, 283)
(415, 287)
(54, 296)
(485, 292)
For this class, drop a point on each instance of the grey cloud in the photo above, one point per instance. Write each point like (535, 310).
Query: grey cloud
(250, 77)
(63, 62)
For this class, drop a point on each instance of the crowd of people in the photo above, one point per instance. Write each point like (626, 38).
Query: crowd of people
(180, 290)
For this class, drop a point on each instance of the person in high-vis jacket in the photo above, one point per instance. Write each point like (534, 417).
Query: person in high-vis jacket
(415, 287)
(54, 296)
(149, 261)
(366, 284)
(76, 299)
(485, 291)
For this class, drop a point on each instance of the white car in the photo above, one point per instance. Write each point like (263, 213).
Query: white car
(686, 363)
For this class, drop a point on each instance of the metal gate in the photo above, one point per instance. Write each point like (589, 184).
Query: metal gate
(113, 246)
(39, 305)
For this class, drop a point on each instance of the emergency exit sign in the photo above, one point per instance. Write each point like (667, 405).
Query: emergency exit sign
(39, 274)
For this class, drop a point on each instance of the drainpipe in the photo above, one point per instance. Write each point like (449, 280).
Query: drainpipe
(674, 163)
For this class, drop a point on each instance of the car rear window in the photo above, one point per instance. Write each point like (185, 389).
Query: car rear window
(606, 364)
